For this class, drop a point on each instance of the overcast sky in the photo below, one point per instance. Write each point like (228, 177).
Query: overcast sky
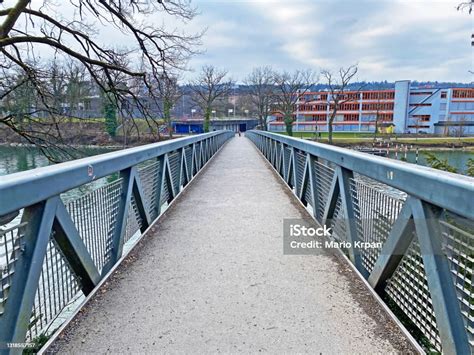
(389, 39)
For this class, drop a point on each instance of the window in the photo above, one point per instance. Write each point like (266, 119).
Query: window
(420, 105)
(463, 93)
(351, 117)
(378, 95)
(423, 118)
(422, 93)
(380, 106)
(444, 94)
(462, 106)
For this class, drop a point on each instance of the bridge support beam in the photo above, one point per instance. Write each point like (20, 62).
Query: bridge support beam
(440, 280)
(15, 321)
(71, 245)
(394, 248)
(127, 177)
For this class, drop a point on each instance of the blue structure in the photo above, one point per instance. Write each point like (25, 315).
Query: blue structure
(194, 126)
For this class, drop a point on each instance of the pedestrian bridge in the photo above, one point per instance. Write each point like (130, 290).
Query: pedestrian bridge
(178, 247)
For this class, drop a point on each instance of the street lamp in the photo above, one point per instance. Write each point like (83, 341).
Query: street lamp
(214, 113)
(193, 111)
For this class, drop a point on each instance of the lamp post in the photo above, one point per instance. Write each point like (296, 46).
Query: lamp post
(193, 111)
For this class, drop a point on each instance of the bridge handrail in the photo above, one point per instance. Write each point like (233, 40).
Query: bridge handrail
(55, 251)
(444, 189)
(25, 188)
(423, 218)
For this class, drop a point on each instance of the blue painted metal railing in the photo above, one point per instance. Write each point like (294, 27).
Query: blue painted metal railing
(57, 248)
(423, 218)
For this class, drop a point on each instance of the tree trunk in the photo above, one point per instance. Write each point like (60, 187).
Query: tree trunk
(330, 131)
(263, 125)
(207, 119)
(167, 114)
(376, 129)
(289, 125)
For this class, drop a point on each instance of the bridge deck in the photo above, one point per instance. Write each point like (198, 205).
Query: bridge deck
(211, 277)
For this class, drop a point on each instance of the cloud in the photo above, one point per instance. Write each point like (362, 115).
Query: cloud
(396, 39)
(389, 39)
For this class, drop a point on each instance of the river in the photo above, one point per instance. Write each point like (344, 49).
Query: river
(456, 158)
(16, 159)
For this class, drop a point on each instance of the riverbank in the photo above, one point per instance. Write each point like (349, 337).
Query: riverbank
(84, 134)
(442, 143)
(351, 139)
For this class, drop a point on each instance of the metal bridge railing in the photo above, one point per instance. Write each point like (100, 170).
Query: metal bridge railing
(423, 217)
(60, 245)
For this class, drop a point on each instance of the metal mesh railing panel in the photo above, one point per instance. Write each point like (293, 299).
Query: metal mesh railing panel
(174, 159)
(375, 212)
(189, 160)
(308, 194)
(95, 217)
(10, 251)
(134, 221)
(458, 242)
(286, 159)
(338, 223)
(408, 288)
(57, 287)
(300, 159)
(324, 175)
(149, 179)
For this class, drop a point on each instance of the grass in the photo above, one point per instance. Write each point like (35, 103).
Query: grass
(363, 137)
(325, 134)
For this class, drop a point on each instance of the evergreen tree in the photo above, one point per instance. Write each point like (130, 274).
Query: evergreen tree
(110, 114)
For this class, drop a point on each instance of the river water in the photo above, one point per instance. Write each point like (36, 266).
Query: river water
(16, 159)
(456, 158)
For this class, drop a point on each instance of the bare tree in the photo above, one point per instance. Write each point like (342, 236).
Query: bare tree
(58, 84)
(26, 26)
(210, 85)
(466, 5)
(77, 87)
(377, 118)
(261, 86)
(289, 89)
(338, 91)
(169, 93)
(461, 126)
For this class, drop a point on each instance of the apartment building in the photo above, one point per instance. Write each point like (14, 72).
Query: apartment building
(404, 109)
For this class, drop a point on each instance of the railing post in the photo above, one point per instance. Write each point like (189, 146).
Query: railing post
(394, 248)
(116, 246)
(183, 169)
(345, 176)
(139, 196)
(440, 279)
(159, 183)
(15, 321)
(169, 179)
(282, 161)
(291, 175)
(74, 250)
(314, 186)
